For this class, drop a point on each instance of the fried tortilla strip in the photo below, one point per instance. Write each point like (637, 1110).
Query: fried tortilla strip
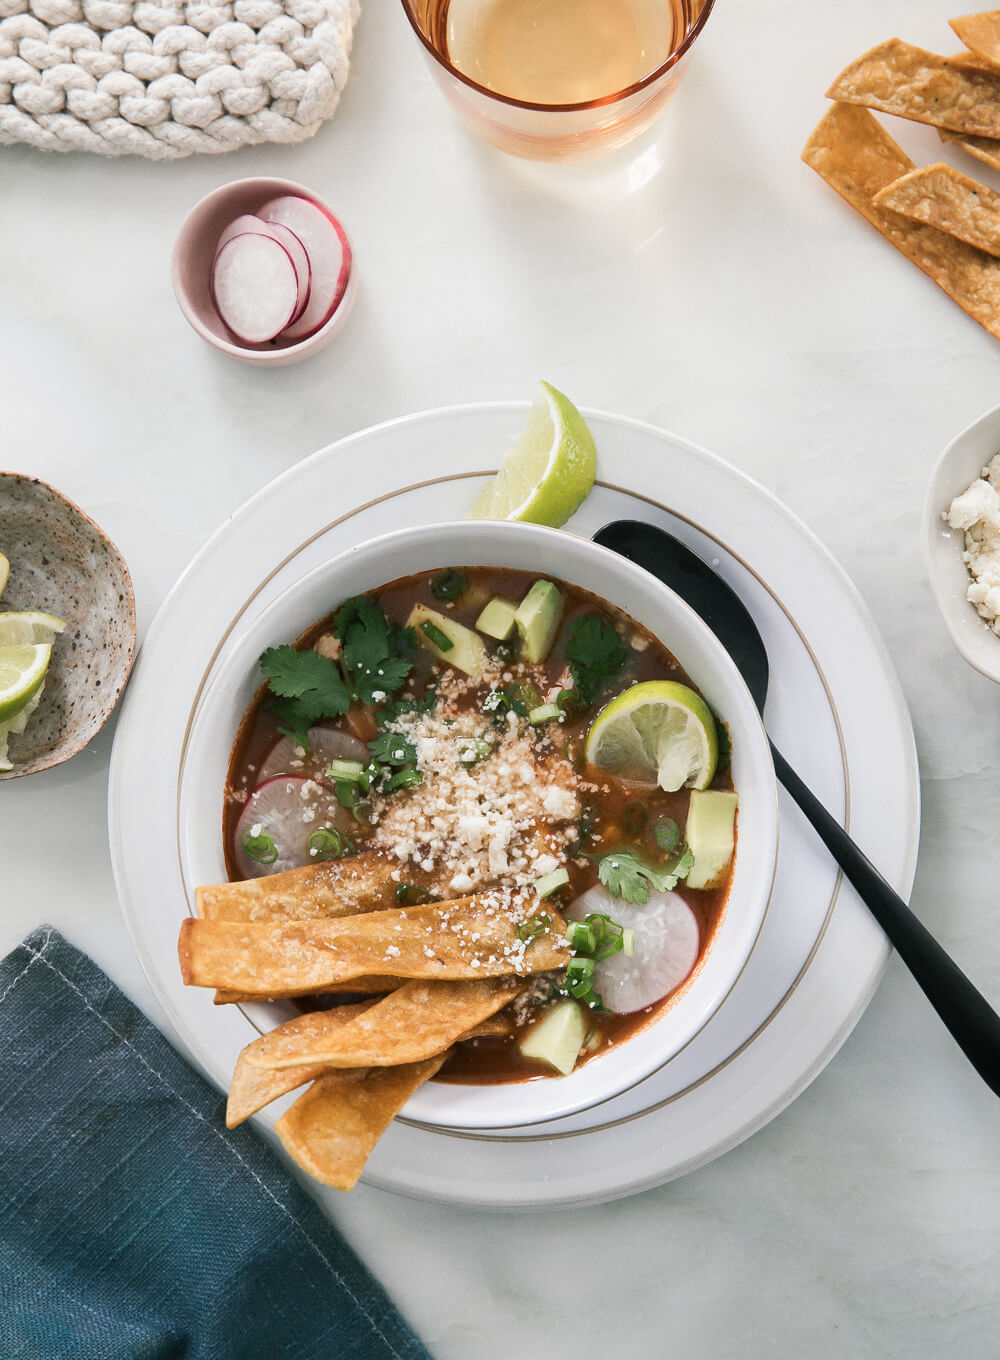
(342, 887)
(333, 1127)
(370, 985)
(897, 78)
(255, 1087)
(857, 157)
(985, 149)
(467, 938)
(968, 61)
(418, 1021)
(980, 33)
(943, 197)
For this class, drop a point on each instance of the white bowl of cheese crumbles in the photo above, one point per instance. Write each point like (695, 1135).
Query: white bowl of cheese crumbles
(961, 542)
(525, 797)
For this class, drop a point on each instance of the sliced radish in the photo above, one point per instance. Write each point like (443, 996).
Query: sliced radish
(278, 819)
(286, 756)
(329, 254)
(300, 259)
(255, 287)
(249, 225)
(667, 942)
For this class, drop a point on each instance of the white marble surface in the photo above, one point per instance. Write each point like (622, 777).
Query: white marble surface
(710, 283)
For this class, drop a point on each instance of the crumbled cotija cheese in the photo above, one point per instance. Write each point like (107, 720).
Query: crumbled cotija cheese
(977, 512)
(477, 822)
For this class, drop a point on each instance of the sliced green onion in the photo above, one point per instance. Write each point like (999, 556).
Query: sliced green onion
(329, 843)
(351, 770)
(580, 937)
(569, 701)
(448, 585)
(260, 848)
(667, 833)
(406, 778)
(628, 943)
(550, 883)
(580, 976)
(471, 750)
(636, 818)
(609, 935)
(436, 635)
(346, 792)
(544, 713)
(531, 929)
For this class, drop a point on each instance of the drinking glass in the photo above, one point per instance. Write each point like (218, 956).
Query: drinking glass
(528, 110)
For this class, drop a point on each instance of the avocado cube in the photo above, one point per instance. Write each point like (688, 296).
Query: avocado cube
(497, 618)
(711, 836)
(557, 1038)
(537, 620)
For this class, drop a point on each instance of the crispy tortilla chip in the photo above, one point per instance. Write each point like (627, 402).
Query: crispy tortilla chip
(333, 1127)
(968, 61)
(943, 197)
(857, 157)
(342, 887)
(985, 149)
(254, 1087)
(897, 78)
(467, 938)
(419, 1020)
(370, 985)
(980, 33)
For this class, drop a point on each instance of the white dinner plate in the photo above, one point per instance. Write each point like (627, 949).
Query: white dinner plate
(835, 710)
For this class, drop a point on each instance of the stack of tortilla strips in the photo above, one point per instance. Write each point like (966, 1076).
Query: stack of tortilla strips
(942, 220)
(441, 973)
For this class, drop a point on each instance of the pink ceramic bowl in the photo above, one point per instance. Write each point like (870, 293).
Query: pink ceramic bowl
(191, 267)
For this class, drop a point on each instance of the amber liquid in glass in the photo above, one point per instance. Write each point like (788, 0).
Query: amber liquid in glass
(556, 51)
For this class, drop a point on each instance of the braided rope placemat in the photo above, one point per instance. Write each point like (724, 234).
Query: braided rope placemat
(164, 78)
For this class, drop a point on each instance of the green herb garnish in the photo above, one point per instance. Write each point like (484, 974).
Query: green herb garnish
(596, 654)
(448, 585)
(536, 925)
(409, 895)
(260, 847)
(389, 748)
(406, 778)
(627, 876)
(329, 843)
(667, 834)
(307, 687)
(375, 657)
(436, 635)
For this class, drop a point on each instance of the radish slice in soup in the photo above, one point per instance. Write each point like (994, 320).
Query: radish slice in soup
(281, 814)
(286, 756)
(667, 941)
(255, 287)
(329, 254)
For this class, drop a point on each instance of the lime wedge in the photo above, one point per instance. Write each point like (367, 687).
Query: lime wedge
(16, 725)
(19, 626)
(658, 732)
(549, 472)
(4, 572)
(22, 670)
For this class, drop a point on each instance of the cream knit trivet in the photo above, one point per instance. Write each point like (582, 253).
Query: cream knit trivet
(163, 79)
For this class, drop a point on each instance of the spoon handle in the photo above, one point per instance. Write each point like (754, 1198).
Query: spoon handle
(972, 1021)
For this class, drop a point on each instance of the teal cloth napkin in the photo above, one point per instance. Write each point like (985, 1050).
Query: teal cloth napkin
(132, 1222)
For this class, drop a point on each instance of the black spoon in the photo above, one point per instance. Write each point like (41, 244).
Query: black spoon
(966, 1013)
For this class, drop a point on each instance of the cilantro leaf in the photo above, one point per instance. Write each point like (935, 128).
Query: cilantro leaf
(389, 748)
(306, 686)
(596, 654)
(373, 654)
(627, 876)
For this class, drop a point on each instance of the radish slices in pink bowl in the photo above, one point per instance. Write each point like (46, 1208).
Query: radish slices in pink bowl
(265, 276)
(281, 271)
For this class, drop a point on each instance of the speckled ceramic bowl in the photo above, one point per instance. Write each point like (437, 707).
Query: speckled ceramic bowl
(62, 563)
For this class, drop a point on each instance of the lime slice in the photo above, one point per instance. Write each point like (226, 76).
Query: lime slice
(4, 572)
(658, 732)
(549, 472)
(22, 670)
(16, 725)
(19, 626)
